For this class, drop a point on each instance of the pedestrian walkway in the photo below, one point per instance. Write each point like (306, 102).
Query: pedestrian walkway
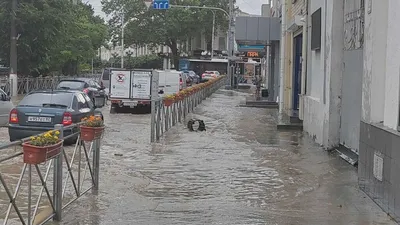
(240, 171)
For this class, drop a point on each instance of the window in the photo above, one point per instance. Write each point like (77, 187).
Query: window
(88, 101)
(75, 105)
(39, 99)
(316, 30)
(106, 74)
(82, 102)
(74, 85)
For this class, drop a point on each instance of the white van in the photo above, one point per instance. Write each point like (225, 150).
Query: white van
(130, 89)
(170, 81)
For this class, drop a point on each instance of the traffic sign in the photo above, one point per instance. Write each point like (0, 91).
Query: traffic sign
(161, 4)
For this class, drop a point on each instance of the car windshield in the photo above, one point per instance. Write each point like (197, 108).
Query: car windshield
(74, 85)
(59, 99)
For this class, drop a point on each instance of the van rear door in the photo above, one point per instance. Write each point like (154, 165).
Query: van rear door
(141, 84)
(120, 82)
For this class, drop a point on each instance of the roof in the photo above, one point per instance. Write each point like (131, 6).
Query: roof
(81, 79)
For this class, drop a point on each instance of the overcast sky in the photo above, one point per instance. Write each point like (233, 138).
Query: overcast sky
(249, 6)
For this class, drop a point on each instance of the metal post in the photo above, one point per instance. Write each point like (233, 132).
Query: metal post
(213, 36)
(231, 40)
(57, 178)
(122, 40)
(96, 165)
(92, 67)
(154, 99)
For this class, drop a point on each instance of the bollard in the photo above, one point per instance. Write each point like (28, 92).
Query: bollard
(158, 120)
(58, 178)
(96, 165)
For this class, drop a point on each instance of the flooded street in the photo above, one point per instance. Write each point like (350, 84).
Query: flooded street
(241, 171)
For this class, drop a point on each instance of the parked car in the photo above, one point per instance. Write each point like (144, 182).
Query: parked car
(40, 111)
(209, 75)
(5, 107)
(94, 90)
(194, 78)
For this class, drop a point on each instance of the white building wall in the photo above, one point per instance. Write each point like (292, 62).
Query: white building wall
(322, 103)
(375, 62)
(392, 66)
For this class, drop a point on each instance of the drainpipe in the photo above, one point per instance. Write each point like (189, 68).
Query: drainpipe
(304, 61)
(282, 58)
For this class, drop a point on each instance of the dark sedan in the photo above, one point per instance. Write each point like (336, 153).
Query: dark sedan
(40, 111)
(194, 78)
(87, 85)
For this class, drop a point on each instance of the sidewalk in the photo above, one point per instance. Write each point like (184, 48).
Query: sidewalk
(240, 171)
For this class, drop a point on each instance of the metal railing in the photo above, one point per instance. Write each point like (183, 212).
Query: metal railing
(27, 84)
(30, 195)
(165, 117)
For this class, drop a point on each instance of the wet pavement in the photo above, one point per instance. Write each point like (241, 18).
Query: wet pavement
(240, 171)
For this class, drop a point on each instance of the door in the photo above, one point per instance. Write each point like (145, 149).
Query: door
(172, 84)
(352, 75)
(84, 108)
(141, 85)
(161, 83)
(298, 48)
(120, 82)
(5, 107)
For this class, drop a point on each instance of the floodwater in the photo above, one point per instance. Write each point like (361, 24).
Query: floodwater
(241, 171)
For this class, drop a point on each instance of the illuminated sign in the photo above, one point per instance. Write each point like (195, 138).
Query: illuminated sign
(252, 54)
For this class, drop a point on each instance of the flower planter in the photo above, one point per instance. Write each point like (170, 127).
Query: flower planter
(168, 102)
(91, 133)
(39, 154)
(179, 97)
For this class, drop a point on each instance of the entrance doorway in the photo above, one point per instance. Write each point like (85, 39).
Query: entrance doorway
(297, 58)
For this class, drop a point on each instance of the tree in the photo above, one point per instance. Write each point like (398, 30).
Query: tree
(164, 27)
(53, 35)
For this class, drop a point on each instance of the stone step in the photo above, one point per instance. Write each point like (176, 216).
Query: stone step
(348, 155)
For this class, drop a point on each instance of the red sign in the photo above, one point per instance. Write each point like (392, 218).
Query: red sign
(120, 78)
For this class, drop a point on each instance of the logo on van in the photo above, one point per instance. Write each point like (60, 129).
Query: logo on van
(120, 78)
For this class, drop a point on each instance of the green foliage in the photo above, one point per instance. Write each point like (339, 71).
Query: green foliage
(140, 62)
(164, 27)
(54, 35)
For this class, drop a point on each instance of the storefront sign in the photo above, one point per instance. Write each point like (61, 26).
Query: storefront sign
(253, 54)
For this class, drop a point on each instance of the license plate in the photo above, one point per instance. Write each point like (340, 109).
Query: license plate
(130, 104)
(39, 119)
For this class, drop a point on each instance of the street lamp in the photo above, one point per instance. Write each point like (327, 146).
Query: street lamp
(212, 35)
(122, 36)
(129, 53)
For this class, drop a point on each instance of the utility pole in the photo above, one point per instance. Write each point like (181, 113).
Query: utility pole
(213, 36)
(13, 49)
(122, 39)
(231, 40)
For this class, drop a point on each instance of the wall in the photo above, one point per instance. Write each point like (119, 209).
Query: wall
(379, 155)
(276, 68)
(324, 75)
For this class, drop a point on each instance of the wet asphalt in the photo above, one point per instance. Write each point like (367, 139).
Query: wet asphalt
(241, 171)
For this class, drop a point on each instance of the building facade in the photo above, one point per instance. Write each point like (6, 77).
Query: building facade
(294, 54)
(350, 85)
(379, 155)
